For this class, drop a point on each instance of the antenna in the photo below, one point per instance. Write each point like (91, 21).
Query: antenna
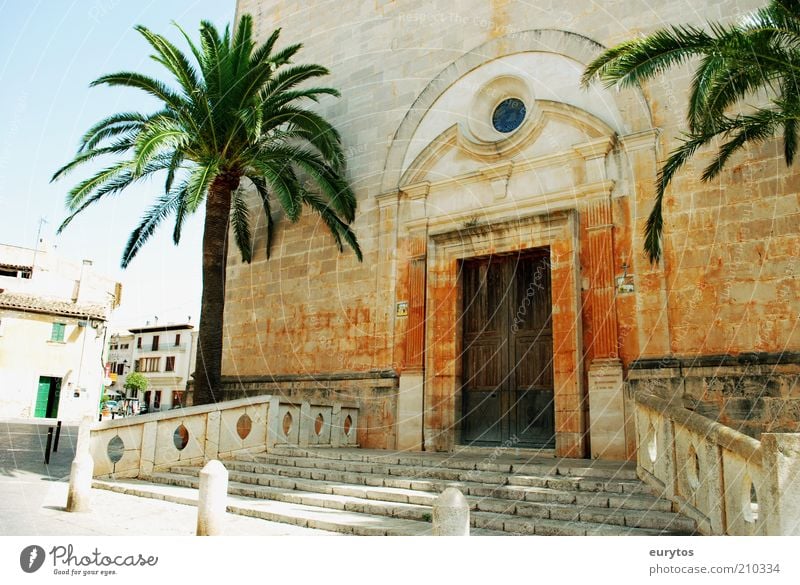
(42, 221)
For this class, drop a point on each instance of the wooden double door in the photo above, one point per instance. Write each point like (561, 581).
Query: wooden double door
(507, 351)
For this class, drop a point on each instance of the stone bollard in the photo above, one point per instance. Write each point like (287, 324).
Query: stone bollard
(451, 514)
(79, 495)
(213, 502)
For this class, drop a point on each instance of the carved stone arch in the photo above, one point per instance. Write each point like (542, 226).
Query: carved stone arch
(453, 137)
(633, 106)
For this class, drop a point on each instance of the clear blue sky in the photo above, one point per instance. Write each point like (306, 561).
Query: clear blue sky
(50, 50)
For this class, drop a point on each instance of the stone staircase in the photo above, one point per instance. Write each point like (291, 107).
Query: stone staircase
(365, 492)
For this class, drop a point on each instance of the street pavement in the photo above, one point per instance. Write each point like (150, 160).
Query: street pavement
(33, 496)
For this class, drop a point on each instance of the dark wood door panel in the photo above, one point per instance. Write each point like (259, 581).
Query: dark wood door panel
(485, 289)
(533, 362)
(534, 419)
(484, 365)
(507, 379)
(483, 421)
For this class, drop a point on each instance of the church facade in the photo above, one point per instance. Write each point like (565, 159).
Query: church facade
(504, 299)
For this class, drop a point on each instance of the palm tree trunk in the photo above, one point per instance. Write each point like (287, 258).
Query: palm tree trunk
(215, 249)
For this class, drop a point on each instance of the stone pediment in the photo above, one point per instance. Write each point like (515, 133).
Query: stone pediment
(554, 134)
(556, 160)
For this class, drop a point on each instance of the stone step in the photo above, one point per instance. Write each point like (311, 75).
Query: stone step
(359, 523)
(330, 519)
(396, 489)
(411, 505)
(372, 474)
(316, 467)
(500, 464)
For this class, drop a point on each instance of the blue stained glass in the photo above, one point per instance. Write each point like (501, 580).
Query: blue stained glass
(508, 116)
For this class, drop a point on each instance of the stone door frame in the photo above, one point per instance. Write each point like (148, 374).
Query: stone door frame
(556, 231)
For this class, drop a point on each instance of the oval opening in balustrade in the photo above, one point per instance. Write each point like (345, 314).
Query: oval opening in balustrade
(318, 423)
(287, 423)
(348, 424)
(652, 447)
(180, 437)
(749, 501)
(243, 426)
(115, 449)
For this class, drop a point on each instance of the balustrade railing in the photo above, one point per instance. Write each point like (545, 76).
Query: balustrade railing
(139, 445)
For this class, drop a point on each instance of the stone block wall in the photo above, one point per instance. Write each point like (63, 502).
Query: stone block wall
(752, 393)
(728, 283)
(731, 248)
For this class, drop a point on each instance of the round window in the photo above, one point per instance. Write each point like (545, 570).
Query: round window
(508, 115)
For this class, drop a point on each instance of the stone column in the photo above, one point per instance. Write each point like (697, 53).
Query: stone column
(410, 399)
(606, 397)
(570, 421)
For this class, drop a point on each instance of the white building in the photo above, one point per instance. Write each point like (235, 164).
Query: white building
(164, 354)
(53, 315)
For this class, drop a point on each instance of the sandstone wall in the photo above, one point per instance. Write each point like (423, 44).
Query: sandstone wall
(731, 246)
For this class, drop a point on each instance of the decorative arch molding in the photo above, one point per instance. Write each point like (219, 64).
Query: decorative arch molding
(493, 153)
(579, 48)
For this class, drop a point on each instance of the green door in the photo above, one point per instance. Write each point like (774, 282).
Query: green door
(48, 397)
(42, 397)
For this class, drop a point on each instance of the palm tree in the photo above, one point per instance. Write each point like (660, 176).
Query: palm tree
(236, 113)
(760, 55)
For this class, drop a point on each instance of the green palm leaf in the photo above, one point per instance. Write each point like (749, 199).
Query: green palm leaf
(758, 56)
(228, 109)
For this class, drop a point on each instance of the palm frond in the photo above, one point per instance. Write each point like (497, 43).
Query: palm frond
(164, 206)
(314, 129)
(242, 45)
(117, 148)
(181, 212)
(264, 51)
(154, 87)
(263, 192)
(335, 188)
(639, 60)
(111, 126)
(655, 221)
(198, 184)
(285, 186)
(174, 60)
(286, 79)
(240, 222)
(338, 229)
(77, 194)
(285, 55)
(157, 137)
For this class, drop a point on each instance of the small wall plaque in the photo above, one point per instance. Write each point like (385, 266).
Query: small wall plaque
(402, 309)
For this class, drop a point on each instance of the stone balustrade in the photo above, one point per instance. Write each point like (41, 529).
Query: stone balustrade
(728, 482)
(139, 445)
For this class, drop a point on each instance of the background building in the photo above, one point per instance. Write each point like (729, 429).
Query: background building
(504, 294)
(164, 354)
(53, 315)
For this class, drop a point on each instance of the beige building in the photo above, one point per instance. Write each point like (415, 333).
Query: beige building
(504, 295)
(53, 315)
(164, 354)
